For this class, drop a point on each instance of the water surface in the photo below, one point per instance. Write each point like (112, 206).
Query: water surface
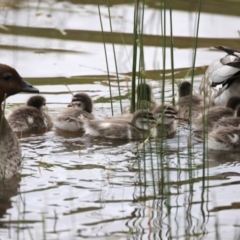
(75, 187)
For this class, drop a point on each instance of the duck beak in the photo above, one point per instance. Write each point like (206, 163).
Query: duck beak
(26, 87)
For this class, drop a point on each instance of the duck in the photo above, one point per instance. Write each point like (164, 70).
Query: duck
(144, 98)
(32, 117)
(141, 124)
(214, 114)
(10, 151)
(229, 121)
(226, 138)
(222, 77)
(79, 110)
(165, 115)
(187, 101)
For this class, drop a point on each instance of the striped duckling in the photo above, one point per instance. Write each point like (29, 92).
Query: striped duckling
(165, 115)
(140, 124)
(79, 110)
(186, 101)
(10, 151)
(214, 114)
(32, 117)
(144, 100)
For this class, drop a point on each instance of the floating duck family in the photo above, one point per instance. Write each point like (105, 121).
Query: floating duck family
(215, 110)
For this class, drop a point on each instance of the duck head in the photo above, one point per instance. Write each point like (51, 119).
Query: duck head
(144, 120)
(11, 83)
(185, 89)
(166, 113)
(82, 101)
(37, 101)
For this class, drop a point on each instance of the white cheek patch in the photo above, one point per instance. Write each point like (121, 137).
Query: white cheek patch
(105, 125)
(233, 138)
(81, 117)
(30, 120)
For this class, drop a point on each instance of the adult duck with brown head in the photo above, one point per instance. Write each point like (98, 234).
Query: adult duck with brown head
(10, 151)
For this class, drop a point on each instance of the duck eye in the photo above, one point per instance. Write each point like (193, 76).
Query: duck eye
(7, 76)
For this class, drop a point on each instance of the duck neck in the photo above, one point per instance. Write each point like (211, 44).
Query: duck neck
(3, 123)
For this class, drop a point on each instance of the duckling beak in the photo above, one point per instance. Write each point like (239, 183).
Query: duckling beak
(26, 87)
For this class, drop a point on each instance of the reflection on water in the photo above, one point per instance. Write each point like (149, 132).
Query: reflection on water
(75, 187)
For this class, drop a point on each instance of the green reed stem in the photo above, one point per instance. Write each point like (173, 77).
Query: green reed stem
(106, 58)
(135, 44)
(115, 59)
(172, 57)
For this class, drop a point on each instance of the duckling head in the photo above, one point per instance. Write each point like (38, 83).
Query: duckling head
(11, 83)
(233, 102)
(144, 92)
(143, 120)
(185, 89)
(166, 113)
(82, 101)
(37, 101)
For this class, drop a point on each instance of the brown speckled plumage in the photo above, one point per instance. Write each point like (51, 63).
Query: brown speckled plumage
(10, 151)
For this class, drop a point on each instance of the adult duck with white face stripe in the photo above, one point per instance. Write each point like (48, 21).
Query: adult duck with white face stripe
(222, 78)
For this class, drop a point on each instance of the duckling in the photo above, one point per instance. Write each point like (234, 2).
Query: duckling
(229, 121)
(165, 115)
(226, 138)
(32, 117)
(140, 124)
(79, 110)
(224, 72)
(214, 114)
(185, 99)
(145, 98)
(10, 151)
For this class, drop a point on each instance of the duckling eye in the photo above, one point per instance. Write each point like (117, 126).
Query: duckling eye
(7, 76)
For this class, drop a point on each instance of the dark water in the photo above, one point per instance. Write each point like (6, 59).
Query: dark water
(73, 187)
